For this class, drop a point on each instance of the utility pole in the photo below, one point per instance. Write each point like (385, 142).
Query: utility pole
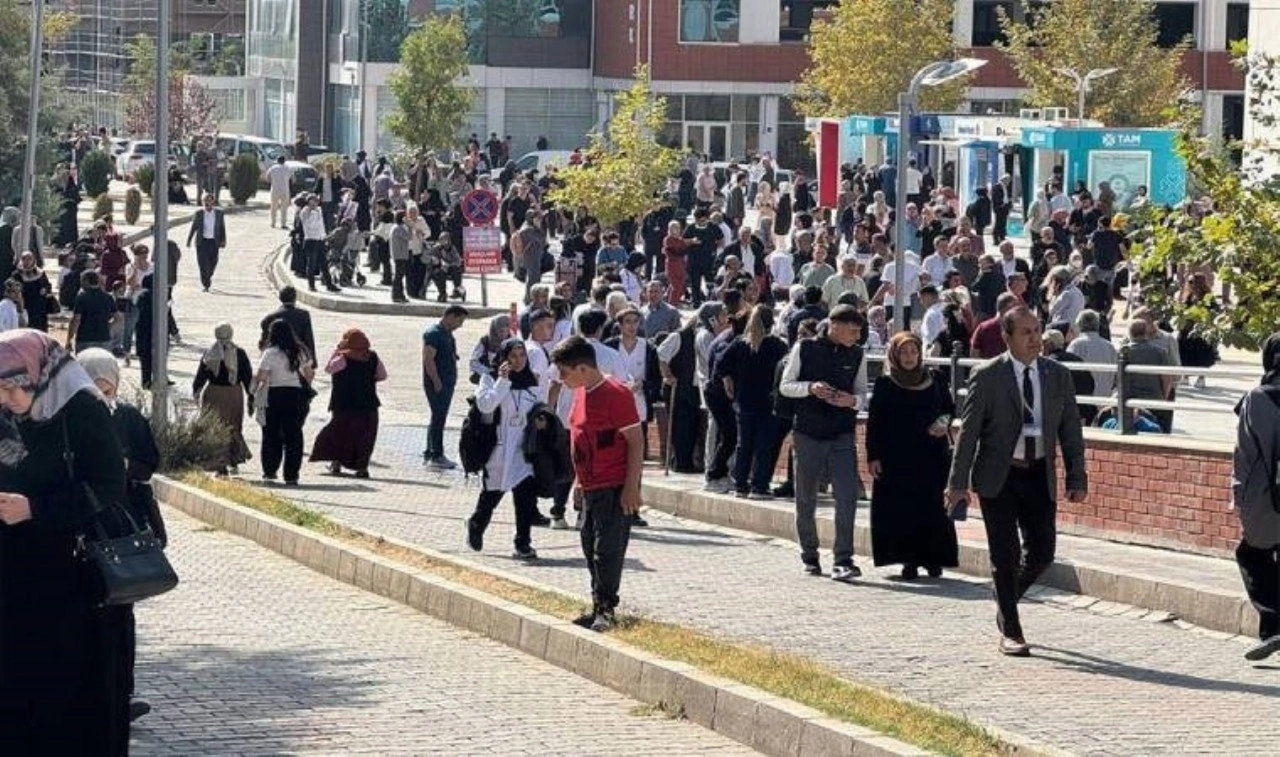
(160, 206)
(27, 225)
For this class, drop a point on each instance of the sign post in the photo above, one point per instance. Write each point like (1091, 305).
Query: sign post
(481, 241)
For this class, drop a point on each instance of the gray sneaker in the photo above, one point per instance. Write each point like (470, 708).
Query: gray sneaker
(845, 574)
(604, 621)
(442, 463)
(559, 524)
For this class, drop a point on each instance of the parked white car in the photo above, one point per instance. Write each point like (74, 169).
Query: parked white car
(139, 151)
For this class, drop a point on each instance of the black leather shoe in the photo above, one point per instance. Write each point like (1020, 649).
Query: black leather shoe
(1263, 649)
(138, 708)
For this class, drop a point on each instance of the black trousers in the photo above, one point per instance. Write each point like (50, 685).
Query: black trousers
(397, 281)
(697, 272)
(316, 263)
(207, 260)
(525, 498)
(684, 427)
(560, 501)
(416, 278)
(1000, 229)
(721, 408)
(1260, 569)
(1024, 508)
(282, 436)
(605, 534)
(442, 276)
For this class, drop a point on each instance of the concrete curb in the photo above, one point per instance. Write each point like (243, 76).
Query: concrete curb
(1201, 606)
(280, 276)
(764, 722)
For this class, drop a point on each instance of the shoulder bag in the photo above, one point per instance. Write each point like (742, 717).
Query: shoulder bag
(128, 568)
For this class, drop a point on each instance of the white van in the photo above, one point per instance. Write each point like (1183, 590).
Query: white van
(267, 151)
(540, 159)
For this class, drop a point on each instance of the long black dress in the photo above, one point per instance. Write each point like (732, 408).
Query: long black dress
(64, 663)
(908, 522)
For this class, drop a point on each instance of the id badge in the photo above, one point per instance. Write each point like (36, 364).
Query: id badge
(1030, 431)
(517, 420)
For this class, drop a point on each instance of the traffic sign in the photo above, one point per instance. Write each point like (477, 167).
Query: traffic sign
(480, 207)
(481, 249)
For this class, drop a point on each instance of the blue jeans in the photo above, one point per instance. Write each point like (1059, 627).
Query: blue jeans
(439, 403)
(757, 432)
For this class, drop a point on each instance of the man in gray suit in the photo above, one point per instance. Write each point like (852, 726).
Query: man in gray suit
(1020, 406)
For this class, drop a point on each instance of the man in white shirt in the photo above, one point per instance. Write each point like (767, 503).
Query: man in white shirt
(781, 268)
(911, 284)
(933, 323)
(937, 264)
(847, 281)
(914, 177)
(313, 233)
(279, 176)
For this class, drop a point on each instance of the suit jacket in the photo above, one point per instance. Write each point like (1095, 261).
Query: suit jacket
(219, 227)
(298, 319)
(991, 428)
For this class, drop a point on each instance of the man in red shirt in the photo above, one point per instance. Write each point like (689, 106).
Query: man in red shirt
(608, 456)
(988, 339)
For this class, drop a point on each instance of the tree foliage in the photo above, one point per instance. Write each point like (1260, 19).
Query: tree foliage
(387, 27)
(243, 177)
(1084, 35)
(867, 52)
(430, 104)
(625, 169)
(192, 110)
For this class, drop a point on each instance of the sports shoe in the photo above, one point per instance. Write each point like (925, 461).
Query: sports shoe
(528, 553)
(813, 568)
(475, 537)
(604, 621)
(541, 521)
(1263, 649)
(559, 524)
(638, 522)
(845, 573)
(718, 485)
(586, 619)
(784, 491)
(442, 463)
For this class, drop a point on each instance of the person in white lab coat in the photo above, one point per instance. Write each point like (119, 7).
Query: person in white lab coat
(511, 389)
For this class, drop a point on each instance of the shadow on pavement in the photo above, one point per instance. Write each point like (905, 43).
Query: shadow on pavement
(1102, 666)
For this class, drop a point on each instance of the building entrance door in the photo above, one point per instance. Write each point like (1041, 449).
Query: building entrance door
(709, 138)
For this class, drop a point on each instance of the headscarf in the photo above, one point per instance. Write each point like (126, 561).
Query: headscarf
(1271, 359)
(224, 352)
(916, 378)
(354, 345)
(31, 360)
(524, 379)
(496, 324)
(32, 272)
(10, 216)
(100, 364)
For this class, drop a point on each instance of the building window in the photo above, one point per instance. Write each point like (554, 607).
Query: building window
(795, 17)
(1177, 22)
(709, 20)
(1237, 22)
(986, 21)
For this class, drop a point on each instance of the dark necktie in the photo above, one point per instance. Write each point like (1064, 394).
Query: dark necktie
(1028, 414)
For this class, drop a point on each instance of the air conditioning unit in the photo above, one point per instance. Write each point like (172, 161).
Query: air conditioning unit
(1055, 114)
(1031, 114)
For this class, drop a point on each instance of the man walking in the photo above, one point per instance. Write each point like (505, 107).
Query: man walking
(1019, 408)
(313, 235)
(439, 376)
(1001, 205)
(209, 229)
(828, 376)
(298, 319)
(608, 457)
(279, 176)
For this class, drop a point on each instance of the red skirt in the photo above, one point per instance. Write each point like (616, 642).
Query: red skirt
(347, 439)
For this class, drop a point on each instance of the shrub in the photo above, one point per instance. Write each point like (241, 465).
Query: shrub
(132, 206)
(103, 206)
(243, 178)
(95, 173)
(146, 176)
(326, 159)
(192, 439)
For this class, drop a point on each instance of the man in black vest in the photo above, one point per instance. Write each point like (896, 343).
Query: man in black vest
(828, 377)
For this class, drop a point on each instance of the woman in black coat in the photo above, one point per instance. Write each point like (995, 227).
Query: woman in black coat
(64, 661)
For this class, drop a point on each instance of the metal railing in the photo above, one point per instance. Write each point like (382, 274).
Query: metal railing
(1120, 399)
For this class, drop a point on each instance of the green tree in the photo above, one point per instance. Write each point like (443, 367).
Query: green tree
(1084, 35)
(430, 104)
(15, 82)
(1239, 239)
(387, 27)
(867, 52)
(626, 168)
(140, 60)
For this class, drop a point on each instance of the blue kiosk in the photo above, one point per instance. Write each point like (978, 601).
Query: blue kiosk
(1127, 158)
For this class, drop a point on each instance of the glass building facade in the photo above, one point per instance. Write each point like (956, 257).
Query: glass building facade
(271, 53)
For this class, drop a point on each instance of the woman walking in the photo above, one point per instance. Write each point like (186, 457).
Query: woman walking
(64, 661)
(36, 291)
(347, 441)
(673, 249)
(509, 392)
(225, 376)
(283, 368)
(746, 372)
(907, 453)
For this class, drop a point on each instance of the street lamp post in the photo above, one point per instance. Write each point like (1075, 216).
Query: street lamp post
(1083, 83)
(27, 224)
(931, 75)
(160, 211)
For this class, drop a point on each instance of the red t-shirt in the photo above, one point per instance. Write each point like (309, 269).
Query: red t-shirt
(988, 339)
(595, 428)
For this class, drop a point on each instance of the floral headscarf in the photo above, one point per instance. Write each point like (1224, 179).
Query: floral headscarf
(33, 361)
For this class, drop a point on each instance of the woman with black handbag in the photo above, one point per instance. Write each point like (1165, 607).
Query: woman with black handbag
(64, 663)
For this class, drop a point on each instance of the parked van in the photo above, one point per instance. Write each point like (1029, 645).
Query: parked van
(540, 159)
(267, 151)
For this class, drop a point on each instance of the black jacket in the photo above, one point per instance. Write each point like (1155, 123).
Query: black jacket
(219, 227)
(298, 319)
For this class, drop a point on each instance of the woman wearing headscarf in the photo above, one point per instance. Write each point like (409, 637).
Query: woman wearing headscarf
(908, 455)
(486, 350)
(221, 384)
(508, 392)
(282, 369)
(1255, 488)
(347, 441)
(9, 219)
(64, 685)
(36, 291)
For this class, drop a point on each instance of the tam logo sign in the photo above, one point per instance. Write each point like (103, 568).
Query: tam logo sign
(1112, 139)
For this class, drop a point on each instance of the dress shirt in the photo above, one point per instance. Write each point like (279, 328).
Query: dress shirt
(1037, 412)
(210, 224)
(312, 224)
(937, 266)
(932, 325)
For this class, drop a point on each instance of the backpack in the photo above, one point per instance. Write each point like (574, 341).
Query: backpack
(478, 439)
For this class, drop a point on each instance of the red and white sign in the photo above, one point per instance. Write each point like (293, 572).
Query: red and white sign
(482, 249)
(480, 207)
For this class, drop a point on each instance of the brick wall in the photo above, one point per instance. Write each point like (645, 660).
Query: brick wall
(1162, 492)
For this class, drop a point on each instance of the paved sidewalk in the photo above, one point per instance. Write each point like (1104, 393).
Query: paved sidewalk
(1101, 683)
(254, 654)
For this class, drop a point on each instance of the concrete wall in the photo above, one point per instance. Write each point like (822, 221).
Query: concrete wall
(1264, 37)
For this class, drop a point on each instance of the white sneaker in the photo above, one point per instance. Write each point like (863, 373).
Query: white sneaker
(559, 524)
(845, 573)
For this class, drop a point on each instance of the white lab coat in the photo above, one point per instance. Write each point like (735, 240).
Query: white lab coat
(507, 467)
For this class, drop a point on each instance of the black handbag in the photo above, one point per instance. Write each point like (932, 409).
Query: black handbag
(128, 568)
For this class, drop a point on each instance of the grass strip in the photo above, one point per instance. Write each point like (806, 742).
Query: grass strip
(783, 674)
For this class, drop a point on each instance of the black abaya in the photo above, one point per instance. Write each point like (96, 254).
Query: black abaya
(908, 522)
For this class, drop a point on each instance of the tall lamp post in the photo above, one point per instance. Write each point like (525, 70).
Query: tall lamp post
(1084, 83)
(931, 75)
(160, 211)
(27, 225)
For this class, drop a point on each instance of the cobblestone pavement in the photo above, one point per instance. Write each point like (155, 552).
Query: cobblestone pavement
(1100, 683)
(255, 654)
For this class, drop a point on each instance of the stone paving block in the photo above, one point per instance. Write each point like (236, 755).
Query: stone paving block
(622, 671)
(504, 625)
(696, 692)
(533, 638)
(780, 726)
(439, 600)
(735, 713)
(364, 573)
(825, 737)
(591, 657)
(398, 588)
(381, 577)
(562, 646)
(883, 746)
